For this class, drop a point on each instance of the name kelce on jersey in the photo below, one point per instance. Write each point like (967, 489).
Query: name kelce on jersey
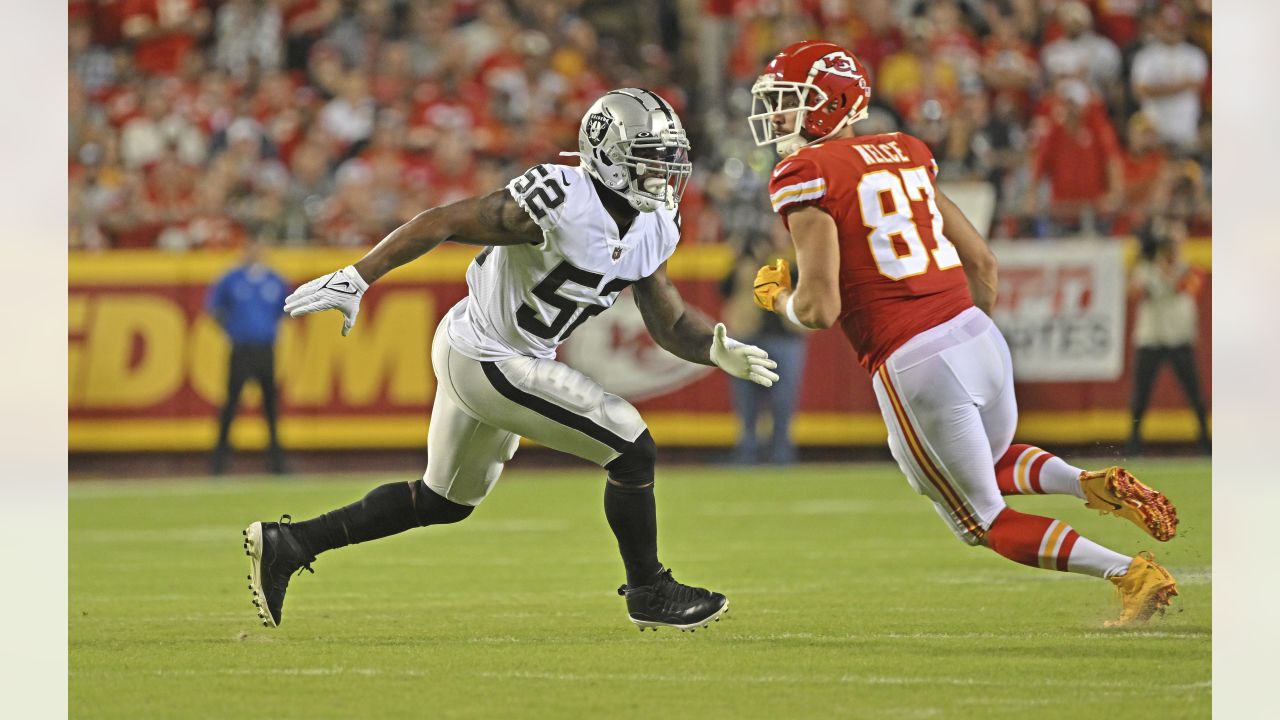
(527, 299)
(882, 153)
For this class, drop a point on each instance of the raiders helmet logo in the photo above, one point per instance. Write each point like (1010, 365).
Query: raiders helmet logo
(597, 125)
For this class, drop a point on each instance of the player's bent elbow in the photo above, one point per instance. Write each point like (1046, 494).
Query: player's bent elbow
(817, 315)
(823, 320)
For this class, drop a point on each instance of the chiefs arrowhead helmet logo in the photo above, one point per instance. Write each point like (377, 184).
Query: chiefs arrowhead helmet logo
(839, 63)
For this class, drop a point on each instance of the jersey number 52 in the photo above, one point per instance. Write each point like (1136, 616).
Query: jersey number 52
(540, 191)
(892, 217)
(546, 291)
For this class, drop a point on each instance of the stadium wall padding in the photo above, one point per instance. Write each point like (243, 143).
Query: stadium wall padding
(147, 366)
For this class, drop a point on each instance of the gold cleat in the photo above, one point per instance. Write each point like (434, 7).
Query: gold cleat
(1115, 491)
(1144, 589)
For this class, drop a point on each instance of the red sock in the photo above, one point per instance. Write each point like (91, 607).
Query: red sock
(1032, 540)
(1029, 470)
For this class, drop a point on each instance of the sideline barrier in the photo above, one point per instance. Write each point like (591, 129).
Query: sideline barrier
(147, 367)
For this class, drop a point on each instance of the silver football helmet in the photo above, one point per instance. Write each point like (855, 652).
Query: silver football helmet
(632, 141)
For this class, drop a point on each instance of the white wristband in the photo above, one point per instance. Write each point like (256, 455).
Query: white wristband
(791, 310)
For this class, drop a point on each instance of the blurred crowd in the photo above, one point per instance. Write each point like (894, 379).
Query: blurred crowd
(204, 123)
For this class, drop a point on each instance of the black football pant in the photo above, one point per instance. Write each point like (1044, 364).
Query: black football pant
(1146, 367)
(257, 362)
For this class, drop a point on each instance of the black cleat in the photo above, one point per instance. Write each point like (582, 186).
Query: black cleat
(667, 603)
(274, 555)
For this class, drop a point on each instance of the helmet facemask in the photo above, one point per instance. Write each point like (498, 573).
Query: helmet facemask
(769, 98)
(658, 169)
(633, 142)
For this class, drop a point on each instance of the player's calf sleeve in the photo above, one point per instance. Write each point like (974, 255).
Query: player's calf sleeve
(1028, 470)
(1051, 544)
(630, 509)
(387, 510)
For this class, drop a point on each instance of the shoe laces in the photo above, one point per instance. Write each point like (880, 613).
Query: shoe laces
(286, 520)
(665, 584)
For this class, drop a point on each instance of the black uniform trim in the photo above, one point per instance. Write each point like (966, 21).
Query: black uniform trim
(662, 105)
(550, 410)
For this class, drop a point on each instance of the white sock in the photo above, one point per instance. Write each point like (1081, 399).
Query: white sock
(1089, 558)
(1059, 478)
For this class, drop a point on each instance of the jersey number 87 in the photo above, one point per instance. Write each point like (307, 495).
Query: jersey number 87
(902, 187)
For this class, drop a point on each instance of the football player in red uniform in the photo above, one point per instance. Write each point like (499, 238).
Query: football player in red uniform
(868, 224)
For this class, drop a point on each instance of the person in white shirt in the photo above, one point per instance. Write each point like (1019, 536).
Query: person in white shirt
(1168, 76)
(1081, 52)
(1165, 324)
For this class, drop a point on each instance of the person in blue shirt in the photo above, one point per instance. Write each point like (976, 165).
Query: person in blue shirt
(247, 303)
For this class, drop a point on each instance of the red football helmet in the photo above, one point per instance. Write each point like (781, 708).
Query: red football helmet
(831, 89)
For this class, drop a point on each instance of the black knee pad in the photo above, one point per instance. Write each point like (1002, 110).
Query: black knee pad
(634, 467)
(432, 509)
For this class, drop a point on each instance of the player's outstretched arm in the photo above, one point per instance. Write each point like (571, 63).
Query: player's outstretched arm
(815, 302)
(688, 334)
(980, 267)
(494, 219)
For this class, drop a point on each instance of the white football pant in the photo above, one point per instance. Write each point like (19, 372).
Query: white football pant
(947, 399)
(482, 409)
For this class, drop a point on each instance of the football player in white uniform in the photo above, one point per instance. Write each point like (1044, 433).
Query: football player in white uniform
(561, 243)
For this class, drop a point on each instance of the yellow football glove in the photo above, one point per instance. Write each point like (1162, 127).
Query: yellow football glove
(771, 280)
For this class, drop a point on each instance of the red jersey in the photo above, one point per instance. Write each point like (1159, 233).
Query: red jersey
(899, 275)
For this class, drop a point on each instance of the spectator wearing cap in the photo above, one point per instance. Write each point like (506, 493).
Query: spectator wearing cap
(1168, 76)
(1079, 156)
(1146, 167)
(1083, 53)
(247, 302)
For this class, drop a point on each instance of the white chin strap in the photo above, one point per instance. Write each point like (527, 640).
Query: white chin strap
(658, 185)
(791, 144)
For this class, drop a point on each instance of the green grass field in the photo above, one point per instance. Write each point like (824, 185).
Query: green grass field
(849, 598)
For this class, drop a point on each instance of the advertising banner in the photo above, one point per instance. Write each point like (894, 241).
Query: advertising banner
(148, 366)
(1061, 307)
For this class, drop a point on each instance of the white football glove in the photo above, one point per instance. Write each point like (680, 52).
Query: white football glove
(339, 290)
(742, 360)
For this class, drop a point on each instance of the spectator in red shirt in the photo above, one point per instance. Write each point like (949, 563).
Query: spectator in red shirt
(1079, 156)
(1008, 63)
(876, 32)
(1146, 170)
(168, 201)
(163, 32)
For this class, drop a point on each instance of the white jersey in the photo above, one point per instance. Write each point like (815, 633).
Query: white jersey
(526, 299)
